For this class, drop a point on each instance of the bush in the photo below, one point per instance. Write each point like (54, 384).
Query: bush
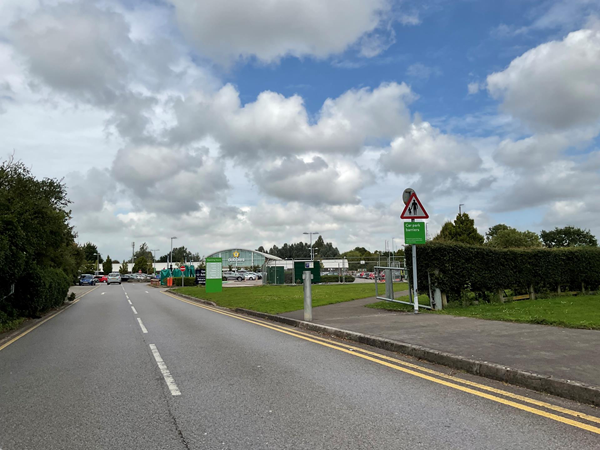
(187, 281)
(458, 268)
(39, 289)
(336, 279)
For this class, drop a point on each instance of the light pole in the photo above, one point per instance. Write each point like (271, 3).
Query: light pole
(312, 254)
(460, 205)
(97, 262)
(154, 250)
(171, 258)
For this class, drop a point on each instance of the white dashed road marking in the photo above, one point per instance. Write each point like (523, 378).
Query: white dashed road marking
(133, 309)
(144, 330)
(165, 372)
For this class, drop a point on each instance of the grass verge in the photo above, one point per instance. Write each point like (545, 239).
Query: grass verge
(569, 312)
(280, 299)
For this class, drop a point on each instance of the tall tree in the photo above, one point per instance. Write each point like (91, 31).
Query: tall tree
(462, 230)
(38, 255)
(145, 252)
(107, 265)
(493, 231)
(90, 250)
(180, 254)
(512, 238)
(141, 263)
(124, 269)
(568, 237)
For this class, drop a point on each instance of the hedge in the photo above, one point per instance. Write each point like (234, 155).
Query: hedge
(38, 290)
(455, 268)
(187, 281)
(336, 279)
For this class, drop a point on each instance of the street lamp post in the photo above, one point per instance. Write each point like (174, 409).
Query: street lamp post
(97, 262)
(154, 250)
(171, 257)
(312, 253)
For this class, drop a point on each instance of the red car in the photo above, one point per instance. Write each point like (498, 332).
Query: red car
(100, 278)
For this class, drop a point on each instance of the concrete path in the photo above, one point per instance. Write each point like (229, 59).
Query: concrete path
(552, 351)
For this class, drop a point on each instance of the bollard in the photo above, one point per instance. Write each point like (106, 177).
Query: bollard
(307, 277)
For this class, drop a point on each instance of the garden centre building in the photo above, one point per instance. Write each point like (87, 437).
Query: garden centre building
(243, 258)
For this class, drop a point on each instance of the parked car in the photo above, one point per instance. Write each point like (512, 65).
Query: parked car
(100, 278)
(113, 277)
(125, 277)
(249, 276)
(230, 275)
(258, 275)
(87, 279)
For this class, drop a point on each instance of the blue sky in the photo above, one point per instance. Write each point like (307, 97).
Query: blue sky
(245, 122)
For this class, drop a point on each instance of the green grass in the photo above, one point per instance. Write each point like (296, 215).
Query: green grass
(279, 299)
(391, 306)
(571, 312)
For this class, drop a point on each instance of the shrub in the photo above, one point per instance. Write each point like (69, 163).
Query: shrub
(40, 289)
(336, 278)
(456, 268)
(187, 281)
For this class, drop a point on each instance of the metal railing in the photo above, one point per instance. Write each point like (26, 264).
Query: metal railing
(389, 287)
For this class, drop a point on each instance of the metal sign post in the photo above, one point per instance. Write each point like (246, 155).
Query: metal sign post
(414, 262)
(413, 210)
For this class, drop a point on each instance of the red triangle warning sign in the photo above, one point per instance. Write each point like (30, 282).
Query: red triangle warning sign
(414, 209)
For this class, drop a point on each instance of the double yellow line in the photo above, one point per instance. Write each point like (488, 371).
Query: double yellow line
(16, 338)
(470, 387)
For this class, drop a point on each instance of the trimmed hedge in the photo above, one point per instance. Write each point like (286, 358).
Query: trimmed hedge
(38, 290)
(336, 279)
(187, 281)
(455, 268)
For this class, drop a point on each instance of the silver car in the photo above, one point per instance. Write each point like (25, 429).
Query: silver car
(113, 277)
(230, 275)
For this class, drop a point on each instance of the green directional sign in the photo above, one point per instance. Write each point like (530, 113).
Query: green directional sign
(214, 275)
(414, 233)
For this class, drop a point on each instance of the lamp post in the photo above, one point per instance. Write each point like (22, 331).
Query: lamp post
(97, 262)
(312, 254)
(171, 257)
(154, 250)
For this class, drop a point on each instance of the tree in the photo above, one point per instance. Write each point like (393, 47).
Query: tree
(512, 238)
(141, 263)
(38, 254)
(568, 236)
(462, 230)
(144, 251)
(493, 231)
(107, 265)
(90, 251)
(180, 254)
(261, 249)
(124, 269)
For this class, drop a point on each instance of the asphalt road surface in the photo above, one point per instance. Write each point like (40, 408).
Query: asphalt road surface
(130, 367)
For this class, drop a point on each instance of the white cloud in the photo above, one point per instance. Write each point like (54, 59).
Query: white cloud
(313, 181)
(226, 31)
(425, 150)
(473, 88)
(279, 125)
(555, 86)
(422, 72)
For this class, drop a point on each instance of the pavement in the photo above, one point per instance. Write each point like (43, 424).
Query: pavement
(559, 353)
(137, 368)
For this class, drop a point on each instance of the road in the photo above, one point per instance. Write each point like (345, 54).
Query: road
(130, 367)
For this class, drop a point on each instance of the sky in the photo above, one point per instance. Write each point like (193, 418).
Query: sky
(241, 123)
